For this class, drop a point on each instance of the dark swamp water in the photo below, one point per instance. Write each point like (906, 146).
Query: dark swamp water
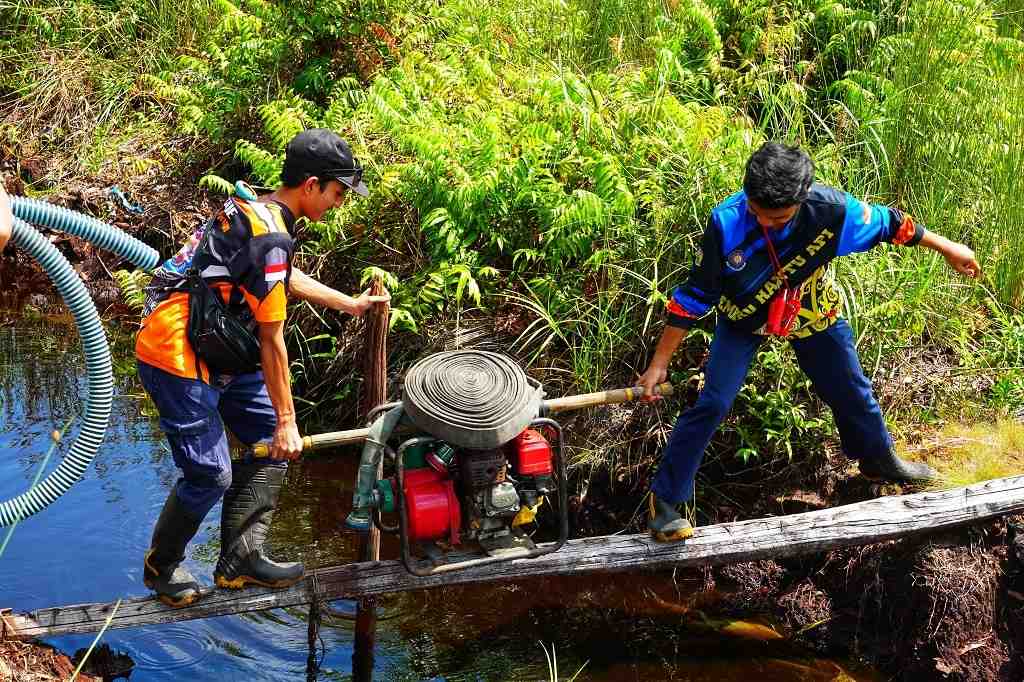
(88, 546)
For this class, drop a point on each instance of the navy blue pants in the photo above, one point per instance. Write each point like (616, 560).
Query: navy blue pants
(193, 415)
(828, 358)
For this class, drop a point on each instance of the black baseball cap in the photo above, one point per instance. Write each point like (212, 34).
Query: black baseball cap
(320, 152)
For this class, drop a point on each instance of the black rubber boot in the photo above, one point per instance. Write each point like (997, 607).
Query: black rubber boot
(892, 468)
(665, 523)
(248, 510)
(162, 569)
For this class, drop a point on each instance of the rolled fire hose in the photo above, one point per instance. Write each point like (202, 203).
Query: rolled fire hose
(94, 340)
(472, 399)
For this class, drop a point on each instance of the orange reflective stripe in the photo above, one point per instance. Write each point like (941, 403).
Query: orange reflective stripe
(162, 342)
(273, 308)
(675, 309)
(263, 218)
(905, 232)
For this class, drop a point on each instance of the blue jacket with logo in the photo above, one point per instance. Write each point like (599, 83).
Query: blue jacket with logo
(733, 270)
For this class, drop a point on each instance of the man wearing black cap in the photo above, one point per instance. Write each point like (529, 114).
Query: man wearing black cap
(242, 259)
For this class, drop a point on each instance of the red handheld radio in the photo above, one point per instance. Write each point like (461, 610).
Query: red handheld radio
(784, 307)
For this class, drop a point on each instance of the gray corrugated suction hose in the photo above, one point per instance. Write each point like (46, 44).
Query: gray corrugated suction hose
(98, 366)
(94, 231)
(366, 479)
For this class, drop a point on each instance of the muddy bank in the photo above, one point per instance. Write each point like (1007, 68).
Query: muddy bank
(948, 606)
(31, 662)
(159, 211)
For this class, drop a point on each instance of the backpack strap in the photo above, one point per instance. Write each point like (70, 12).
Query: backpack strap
(204, 247)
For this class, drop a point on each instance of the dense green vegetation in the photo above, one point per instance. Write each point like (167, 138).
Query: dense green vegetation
(552, 161)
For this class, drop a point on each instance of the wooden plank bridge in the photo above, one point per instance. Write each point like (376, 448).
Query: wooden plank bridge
(876, 520)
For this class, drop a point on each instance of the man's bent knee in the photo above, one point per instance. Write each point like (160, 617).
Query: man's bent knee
(200, 496)
(713, 404)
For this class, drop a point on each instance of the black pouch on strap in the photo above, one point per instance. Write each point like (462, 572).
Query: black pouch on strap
(225, 343)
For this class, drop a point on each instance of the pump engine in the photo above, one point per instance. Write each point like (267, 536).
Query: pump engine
(457, 495)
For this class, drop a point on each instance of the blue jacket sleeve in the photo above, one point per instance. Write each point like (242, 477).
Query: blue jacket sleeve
(866, 225)
(703, 287)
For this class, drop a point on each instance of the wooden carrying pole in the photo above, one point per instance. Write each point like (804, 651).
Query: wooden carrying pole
(862, 523)
(614, 396)
(375, 392)
(554, 406)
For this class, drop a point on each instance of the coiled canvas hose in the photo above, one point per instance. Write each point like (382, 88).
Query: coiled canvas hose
(470, 398)
(94, 340)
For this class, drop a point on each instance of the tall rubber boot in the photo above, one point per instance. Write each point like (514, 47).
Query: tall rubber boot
(665, 523)
(162, 569)
(248, 510)
(891, 468)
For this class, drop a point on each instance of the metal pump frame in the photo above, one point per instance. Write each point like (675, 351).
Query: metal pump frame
(402, 530)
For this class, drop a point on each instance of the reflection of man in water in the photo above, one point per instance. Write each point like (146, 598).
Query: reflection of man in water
(6, 219)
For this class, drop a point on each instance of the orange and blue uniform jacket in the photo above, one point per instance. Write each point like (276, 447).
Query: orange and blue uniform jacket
(248, 260)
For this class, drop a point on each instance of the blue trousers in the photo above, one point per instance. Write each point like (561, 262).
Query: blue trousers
(193, 415)
(828, 358)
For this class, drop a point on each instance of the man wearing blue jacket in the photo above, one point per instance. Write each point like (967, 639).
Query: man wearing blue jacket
(763, 263)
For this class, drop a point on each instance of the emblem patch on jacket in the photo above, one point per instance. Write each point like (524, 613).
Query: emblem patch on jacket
(736, 260)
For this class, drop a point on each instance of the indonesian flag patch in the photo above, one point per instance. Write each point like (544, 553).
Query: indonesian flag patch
(276, 265)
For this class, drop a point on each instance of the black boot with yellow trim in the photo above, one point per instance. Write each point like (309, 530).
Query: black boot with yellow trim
(245, 519)
(162, 569)
(665, 523)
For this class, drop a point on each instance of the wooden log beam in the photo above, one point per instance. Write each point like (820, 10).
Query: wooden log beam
(862, 523)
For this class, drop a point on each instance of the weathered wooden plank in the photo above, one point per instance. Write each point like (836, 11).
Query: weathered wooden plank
(867, 522)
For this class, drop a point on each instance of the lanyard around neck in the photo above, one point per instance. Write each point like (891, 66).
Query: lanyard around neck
(774, 256)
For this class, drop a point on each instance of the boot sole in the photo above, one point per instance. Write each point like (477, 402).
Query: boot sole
(674, 536)
(243, 580)
(171, 601)
(902, 481)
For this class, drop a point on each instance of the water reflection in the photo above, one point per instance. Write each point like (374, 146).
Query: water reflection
(89, 546)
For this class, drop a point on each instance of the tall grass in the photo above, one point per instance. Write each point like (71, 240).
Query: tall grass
(563, 155)
(75, 66)
(945, 132)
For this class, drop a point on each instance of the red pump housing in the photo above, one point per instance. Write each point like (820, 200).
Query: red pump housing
(433, 507)
(531, 454)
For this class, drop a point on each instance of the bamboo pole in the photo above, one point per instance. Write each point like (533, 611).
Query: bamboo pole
(554, 406)
(610, 397)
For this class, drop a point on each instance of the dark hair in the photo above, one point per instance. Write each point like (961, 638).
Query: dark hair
(778, 176)
(293, 177)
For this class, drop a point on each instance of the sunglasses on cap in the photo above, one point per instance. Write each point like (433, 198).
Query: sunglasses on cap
(350, 177)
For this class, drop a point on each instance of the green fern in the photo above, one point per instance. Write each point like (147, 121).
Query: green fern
(133, 285)
(217, 184)
(282, 120)
(265, 165)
